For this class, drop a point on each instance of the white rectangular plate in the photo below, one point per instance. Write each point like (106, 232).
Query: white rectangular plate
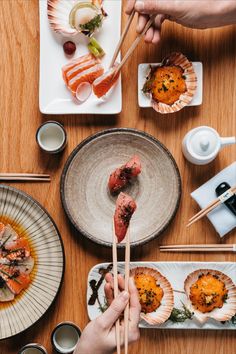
(176, 273)
(54, 98)
(143, 70)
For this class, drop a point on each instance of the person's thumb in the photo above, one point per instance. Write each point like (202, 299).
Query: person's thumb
(154, 7)
(115, 309)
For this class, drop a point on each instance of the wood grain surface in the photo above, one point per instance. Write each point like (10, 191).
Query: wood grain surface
(20, 117)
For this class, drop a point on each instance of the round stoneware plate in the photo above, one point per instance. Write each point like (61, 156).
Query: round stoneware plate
(20, 209)
(85, 195)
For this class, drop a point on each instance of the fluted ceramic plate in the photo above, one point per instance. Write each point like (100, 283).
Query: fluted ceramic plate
(85, 195)
(48, 253)
(176, 273)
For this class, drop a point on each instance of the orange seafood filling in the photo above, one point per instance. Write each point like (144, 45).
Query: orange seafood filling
(208, 293)
(168, 83)
(150, 293)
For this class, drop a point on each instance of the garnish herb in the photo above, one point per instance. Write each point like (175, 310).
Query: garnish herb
(180, 315)
(90, 27)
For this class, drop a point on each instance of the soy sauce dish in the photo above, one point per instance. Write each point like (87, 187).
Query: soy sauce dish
(51, 137)
(65, 337)
(33, 348)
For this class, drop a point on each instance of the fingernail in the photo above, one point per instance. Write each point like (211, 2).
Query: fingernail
(139, 5)
(124, 295)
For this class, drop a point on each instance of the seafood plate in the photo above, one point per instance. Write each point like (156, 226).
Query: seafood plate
(170, 279)
(31, 261)
(59, 97)
(145, 100)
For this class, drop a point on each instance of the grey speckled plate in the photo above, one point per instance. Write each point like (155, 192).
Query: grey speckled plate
(85, 196)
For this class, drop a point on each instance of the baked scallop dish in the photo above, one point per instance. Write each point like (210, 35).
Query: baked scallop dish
(172, 84)
(211, 294)
(155, 295)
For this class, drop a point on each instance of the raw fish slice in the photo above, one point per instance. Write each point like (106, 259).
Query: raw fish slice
(88, 75)
(21, 282)
(74, 62)
(6, 294)
(2, 230)
(122, 175)
(105, 82)
(125, 207)
(79, 68)
(17, 249)
(9, 236)
(25, 266)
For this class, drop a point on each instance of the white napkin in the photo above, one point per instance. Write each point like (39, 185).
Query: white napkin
(221, 217)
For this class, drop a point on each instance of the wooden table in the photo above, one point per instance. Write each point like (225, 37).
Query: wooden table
(20, 117)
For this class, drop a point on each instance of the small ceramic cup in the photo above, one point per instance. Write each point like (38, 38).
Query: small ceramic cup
(33, 348)
(51, 137)
(65, 337)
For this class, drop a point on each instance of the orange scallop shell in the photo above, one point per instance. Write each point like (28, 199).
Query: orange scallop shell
(167, 303)
(224, 313)
(191, 84)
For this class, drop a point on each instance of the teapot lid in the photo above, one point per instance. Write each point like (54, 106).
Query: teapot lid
(204, 141)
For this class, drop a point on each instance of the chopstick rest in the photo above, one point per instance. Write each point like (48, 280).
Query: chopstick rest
(226, 196)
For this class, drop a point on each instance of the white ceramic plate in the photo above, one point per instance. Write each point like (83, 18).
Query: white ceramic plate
(176, 273)
(28, 307)
(54, 98)
(143, 70)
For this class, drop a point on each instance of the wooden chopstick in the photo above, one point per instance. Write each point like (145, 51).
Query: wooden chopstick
(126, 312)
(199, 248)
(134, 45)
(207, 209)
(25, 179)
(116, 290)
(41, 175)
(122, 38)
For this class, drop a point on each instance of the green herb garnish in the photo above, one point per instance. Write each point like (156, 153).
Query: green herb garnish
(180, 315)
(89, 27)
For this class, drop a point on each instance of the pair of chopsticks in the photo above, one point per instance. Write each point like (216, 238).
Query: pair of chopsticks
(24, 177)
(215, 203)
(116, 289)
(199, 248)
(135, 43)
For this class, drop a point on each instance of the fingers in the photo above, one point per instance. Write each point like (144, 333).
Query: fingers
(156, 7)
(142, 20)
(109, 293)
(109, 317)
(129, 6)
(109, 286)
(135, 307)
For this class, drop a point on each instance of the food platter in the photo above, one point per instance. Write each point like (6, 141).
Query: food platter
(176, 273)
(54, 98)
(47, 274)
(90, 206)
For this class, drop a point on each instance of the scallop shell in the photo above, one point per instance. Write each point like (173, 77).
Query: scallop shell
(191, 84)
(224, 313)
(59, 13)
(167, 303)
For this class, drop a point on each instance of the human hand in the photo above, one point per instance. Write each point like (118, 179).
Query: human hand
(191, 13)
(99, 335)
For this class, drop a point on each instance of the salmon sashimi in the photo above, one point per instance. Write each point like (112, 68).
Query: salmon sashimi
(122, 175)
(77, 61)
(14, 280)
(105, 82)
(18, 249)
(79, 68)
(125, 207)
(88, 75)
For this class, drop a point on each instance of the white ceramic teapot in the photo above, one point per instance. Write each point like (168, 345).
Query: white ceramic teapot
(202, 144)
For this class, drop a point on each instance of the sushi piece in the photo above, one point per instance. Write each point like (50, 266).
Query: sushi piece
(105, 82)
(171, 85)
(211, 294)
(72, 17)
(155, 295)
(88, 75)
(122, 175)
(125, 207)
